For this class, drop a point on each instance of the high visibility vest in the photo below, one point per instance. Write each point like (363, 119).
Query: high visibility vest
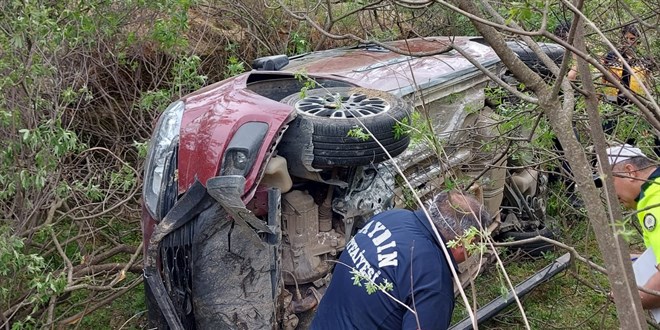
(648, 213)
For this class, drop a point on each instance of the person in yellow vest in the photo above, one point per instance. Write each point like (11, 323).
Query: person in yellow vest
(637, 185)
(630, 37)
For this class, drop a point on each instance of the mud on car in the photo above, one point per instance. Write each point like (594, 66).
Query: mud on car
(254, 184)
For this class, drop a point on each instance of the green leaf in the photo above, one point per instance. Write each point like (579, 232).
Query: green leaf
(25, 132)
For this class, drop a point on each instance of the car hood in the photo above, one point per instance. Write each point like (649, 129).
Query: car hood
(377, 67)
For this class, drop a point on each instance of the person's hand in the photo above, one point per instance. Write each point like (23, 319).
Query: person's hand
(572, 74)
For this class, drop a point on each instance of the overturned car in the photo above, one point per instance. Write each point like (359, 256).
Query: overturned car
(253, 184)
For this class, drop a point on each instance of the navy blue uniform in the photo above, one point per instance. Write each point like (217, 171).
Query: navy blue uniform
(396, 246)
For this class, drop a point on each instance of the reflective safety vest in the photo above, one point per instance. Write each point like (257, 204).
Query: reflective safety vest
(648, 212)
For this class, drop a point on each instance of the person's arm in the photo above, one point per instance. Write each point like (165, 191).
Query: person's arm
(608, 59)
(573, 72)
(650, 301)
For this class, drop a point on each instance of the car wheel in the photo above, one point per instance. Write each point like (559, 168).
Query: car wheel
(527, 55)
(327, 115)
(232, 275)
(533, 249)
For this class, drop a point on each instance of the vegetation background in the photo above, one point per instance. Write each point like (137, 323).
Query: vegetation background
(83, 81)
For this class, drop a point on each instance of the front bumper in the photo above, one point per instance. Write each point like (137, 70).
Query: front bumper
(174, 296)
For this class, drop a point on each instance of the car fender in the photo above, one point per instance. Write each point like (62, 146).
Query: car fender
(212, 117)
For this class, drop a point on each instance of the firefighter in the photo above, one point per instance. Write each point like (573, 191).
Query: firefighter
(398, 252)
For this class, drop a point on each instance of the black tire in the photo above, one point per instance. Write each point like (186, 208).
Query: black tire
(325, 125)
(554, 51)
(232, 286)
(534, 249)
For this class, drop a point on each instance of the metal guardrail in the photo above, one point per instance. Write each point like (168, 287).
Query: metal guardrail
(497, 305)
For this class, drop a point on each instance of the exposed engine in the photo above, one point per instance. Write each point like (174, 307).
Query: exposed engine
(318, 217)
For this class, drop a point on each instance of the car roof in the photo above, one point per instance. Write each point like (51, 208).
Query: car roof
(377, 67)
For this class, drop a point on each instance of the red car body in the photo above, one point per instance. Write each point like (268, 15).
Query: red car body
(213, 147)
(214, 113)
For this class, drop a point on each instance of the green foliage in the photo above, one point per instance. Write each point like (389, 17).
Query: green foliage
(454, 97)
(409, 200)
(358, 133)
(307, 82)
(554, 203)
(142, 148)
(168, 31)
(126, 312)
(123, 179)
(18, 268)
(520, 11)
(528, 13)
(518, 120)
(624, 229)
(496, 95)
(185, 75)
(562, 302)
(419, 130)
(625, 127)
(82, 83)
(69, 95)
(299, 43)
(46, 145)
(431, 20)
(400, 130)
(234, 67)
(385, 35)
(450, 183)
(359, 279)
(158, 99)
(458, 181)
(516, 117)
(472, 240)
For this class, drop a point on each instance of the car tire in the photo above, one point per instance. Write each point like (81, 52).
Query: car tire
(325, 124)
(533, 249)
(525, 54)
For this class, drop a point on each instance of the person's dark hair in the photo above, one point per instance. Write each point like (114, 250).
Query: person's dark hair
(454, 212)
(562, 30)
(632, 29)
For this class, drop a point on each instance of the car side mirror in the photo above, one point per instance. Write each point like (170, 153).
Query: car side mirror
(270, 63)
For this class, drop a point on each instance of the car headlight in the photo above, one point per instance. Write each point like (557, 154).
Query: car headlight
(243, 148)
(162, 144)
